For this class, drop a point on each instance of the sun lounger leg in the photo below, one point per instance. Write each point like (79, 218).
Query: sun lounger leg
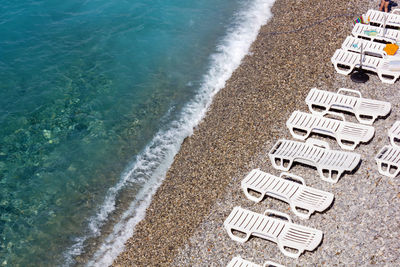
(329, 175)
(237, 238)
(302, 215)
(387, 80)
(345, 146)
(343, 71)
(364, 120)
(282, 164)
(388, 169)
(251, 197)
(288, 253)
(299, 136)
(393, 141)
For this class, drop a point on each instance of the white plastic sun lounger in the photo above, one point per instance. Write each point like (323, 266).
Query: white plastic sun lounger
(239, 262)
(354, 44)
(384, 19)
(331, 164)
(346, 61)
(394, 134)
(279, 229)
(365, 110)
(388, 160)
(297, 194)
(347, 134)
(373, 33)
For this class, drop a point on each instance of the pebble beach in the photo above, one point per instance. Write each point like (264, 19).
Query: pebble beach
(184, 223)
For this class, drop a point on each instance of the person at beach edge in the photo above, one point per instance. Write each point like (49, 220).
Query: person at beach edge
(384, 4)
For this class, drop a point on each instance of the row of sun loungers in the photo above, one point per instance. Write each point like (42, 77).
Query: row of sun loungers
(365, 48)
(293, 239)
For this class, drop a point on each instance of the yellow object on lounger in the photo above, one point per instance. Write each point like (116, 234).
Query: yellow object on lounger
(391, 49)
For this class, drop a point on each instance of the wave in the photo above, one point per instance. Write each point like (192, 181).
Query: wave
(150, 166)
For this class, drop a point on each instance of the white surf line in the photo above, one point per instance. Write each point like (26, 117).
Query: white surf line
(151, 165)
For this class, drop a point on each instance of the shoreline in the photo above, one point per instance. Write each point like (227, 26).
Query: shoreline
(244, 120)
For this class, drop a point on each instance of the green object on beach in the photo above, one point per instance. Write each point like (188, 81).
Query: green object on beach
(371, 33)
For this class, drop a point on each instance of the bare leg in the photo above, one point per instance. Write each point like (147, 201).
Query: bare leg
(387, 6)
(381, 5)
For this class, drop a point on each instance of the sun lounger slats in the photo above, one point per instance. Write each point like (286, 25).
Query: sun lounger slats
(298, 195)
(347, 134)
(365, 110)
(375, 33)
(285, 233)
(371, 62)
(331, 164)
(353, 44)
(379, 17)
(239, 262)
(345, 61)
(388, 160)
(394, 134)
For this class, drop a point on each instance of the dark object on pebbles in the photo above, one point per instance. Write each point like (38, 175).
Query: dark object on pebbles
(359, 76)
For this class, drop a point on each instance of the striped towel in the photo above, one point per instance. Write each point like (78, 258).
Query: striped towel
(362, 19)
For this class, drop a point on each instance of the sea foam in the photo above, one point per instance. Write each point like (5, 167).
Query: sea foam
(150, 167)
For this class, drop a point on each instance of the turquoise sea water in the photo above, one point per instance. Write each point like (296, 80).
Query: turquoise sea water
(95, 98)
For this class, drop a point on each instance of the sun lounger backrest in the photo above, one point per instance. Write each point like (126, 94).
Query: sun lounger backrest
(371, 63)
(365, 110)
(346, 57)
(282, 231)
(394, 134)
(331, 164)
(388, 160)
(351, 60)
(368, 31)
(272, 264)
(379, 17)
(347, 134)
(297, 194)
(371, 48)
(239, 262)
(252, 223)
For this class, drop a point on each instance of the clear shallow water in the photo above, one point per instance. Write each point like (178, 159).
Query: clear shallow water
(95, 99)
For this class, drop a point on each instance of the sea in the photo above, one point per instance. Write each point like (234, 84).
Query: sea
(96, 97)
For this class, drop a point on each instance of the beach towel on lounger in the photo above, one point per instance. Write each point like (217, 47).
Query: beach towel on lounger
(391, 49)
(393, 65)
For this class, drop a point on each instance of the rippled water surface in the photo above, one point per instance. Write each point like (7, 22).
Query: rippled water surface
(86, 88)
